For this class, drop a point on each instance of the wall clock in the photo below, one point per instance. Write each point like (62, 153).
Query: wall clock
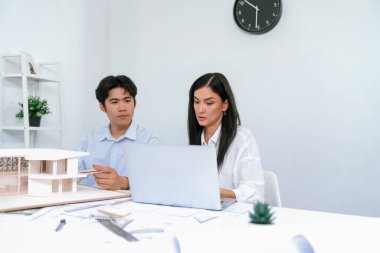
(257, 16)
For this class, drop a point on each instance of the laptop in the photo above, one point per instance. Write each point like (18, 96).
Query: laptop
(185, 176)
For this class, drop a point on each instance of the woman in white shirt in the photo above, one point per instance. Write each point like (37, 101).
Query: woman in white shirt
(213, 120)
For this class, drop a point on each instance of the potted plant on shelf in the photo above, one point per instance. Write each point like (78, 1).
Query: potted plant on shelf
(37, 107)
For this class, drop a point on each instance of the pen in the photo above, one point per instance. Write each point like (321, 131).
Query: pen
(60, 225)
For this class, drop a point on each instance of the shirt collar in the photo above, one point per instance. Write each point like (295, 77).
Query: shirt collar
(214, 139)
(131, 133)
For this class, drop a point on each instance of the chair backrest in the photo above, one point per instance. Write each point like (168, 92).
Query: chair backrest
(272, 190)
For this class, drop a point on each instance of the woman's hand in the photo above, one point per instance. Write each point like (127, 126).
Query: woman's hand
(226, 193)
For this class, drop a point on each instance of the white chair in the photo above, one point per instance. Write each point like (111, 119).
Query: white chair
(271, 189)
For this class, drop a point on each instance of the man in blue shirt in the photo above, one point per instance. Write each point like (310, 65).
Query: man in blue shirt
(106, 145)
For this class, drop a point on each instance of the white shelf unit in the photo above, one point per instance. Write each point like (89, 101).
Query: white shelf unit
(16, 77)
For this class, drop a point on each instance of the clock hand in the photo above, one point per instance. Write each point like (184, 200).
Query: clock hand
(255, 7)
(257, 11)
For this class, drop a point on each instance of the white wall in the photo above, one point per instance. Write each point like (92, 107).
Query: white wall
(307, 89)
(74, 33)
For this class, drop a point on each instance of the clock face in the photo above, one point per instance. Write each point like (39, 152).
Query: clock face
(257, 16)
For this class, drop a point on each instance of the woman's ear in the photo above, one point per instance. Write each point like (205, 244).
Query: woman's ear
(225, 105)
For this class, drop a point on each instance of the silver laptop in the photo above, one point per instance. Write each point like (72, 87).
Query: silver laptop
(185, 176)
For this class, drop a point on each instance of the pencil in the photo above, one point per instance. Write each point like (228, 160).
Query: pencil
(121, 201)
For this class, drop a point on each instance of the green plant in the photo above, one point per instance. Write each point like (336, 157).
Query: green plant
(37, 107)
(262, 214)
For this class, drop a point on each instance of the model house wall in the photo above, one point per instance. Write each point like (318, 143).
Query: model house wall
(38, 171)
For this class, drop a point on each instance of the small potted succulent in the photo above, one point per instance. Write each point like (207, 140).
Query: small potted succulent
(37, 107)
(262, 214)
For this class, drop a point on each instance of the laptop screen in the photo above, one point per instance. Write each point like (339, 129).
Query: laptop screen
(173, 175)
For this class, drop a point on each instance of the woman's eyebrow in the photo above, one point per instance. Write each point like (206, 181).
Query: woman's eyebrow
(209, 98)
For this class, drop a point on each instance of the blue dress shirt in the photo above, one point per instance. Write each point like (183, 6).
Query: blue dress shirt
(108, 151)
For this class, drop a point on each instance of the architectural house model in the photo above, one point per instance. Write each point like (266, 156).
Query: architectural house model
(38, 171)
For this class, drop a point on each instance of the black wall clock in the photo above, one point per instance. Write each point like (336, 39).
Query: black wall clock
(257, 16)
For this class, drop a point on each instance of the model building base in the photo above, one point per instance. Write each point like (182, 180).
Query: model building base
(83, 194)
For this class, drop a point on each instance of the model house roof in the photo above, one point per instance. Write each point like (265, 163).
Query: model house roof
(42, 154)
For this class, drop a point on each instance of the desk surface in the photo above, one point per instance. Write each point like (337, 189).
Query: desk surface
(84, 194)
(186, 230)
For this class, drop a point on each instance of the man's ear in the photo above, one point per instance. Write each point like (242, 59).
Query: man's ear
(102, 108)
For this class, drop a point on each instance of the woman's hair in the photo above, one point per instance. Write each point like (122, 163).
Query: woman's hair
(230, 121)
(110, 82)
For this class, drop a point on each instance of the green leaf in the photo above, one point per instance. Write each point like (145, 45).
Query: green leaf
(36, 106)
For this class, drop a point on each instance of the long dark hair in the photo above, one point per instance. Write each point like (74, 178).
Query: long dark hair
(230, 121)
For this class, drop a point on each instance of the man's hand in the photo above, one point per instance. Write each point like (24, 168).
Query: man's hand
(109, 179)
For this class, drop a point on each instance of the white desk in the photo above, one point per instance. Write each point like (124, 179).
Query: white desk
(227, 231)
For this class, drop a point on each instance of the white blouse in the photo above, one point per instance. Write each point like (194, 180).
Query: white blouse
(241, 171)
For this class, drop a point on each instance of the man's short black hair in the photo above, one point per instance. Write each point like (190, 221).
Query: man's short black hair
(110, 82)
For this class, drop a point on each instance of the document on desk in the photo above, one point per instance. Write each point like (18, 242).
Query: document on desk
(203, 219)
(139, 207)
(239, 208)
(177, 211)
(83, 207)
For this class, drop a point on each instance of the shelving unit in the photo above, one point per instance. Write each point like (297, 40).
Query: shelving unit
(16, 79)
